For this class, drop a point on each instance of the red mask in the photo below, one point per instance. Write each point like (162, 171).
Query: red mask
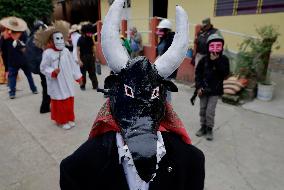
(215, 47)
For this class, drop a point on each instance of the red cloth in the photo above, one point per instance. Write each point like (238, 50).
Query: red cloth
(54, 74)
(170, 123)
(62, 111)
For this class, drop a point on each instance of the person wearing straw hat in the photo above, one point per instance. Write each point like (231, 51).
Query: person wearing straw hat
(60, 70)
(15, 36)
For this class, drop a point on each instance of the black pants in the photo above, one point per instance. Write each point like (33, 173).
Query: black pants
(45, 104)
(89, 65)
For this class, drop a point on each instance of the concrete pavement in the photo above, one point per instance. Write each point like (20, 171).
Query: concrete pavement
(246, 154)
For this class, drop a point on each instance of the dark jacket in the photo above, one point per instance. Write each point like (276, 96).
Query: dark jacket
(95, 166)
(210, 75)
(33, 55)
(16, 55)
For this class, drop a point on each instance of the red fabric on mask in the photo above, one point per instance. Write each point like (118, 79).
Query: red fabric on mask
(170, 123)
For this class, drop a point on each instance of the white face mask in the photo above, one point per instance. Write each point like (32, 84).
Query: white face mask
(58, 41)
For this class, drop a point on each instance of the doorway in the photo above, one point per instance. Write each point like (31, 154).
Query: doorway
(160, 8)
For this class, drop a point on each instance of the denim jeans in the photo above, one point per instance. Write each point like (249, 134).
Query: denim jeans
(12, 79)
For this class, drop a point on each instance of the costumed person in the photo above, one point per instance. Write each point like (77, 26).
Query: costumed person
(86, 56)
(137, 140)
(210, 73)
(201, 39)
(166, 36)
(60, 71)
(135, 43)
(34, 56)
(15, 35)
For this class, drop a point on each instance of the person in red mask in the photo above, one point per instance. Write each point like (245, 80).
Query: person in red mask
(60, 70)
(209, 76)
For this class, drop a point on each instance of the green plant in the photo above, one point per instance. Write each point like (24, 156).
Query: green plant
(254, 54)
(29, 10)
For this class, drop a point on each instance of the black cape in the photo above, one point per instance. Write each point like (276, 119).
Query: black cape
(94, 166)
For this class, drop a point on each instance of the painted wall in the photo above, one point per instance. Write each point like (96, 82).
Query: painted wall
(200, 9)
(139, 16)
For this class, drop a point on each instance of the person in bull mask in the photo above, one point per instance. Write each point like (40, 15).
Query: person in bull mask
(137, 140)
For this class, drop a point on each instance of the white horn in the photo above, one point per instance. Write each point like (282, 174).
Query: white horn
(112, 48)
(173, 57)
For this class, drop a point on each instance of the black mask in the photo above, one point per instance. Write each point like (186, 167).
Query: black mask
(138, 105)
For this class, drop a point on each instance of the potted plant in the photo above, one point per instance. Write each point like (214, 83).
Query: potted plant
(253, 59)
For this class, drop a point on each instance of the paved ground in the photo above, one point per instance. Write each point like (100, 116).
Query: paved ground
(247, 153)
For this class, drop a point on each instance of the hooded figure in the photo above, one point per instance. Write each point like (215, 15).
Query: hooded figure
(137, 140)
(34, 55)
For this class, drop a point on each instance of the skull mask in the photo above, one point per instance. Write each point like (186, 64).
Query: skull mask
(58, 40)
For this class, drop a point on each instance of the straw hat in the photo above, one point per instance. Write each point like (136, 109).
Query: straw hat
(14, 23)
(75, 27)
(42, 36)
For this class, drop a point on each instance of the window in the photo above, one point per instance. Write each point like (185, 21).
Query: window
(242, 7)
(272, 6)
(247, 7)
(224, 7)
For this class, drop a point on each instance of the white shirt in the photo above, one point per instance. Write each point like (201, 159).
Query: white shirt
(74, 38)
(133, 179)
(62, 87)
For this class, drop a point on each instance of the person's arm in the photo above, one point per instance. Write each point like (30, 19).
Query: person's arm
(79, 52)
(198, 172)
(199, 74)
(79, 58)
(45, 67)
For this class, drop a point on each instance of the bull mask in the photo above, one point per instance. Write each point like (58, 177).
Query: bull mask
(137, 90)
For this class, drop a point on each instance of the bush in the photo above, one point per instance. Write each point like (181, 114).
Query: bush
(29, 10)
(254, 54)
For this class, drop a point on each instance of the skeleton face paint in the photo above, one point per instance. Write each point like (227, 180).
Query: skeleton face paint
(58, 41)
(215, 47)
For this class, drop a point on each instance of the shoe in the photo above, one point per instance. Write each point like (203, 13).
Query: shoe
(12, 96)
(72, 124)
(66, 126)
(201, 131)
(83, 88)
(209, 134)
(44, 110)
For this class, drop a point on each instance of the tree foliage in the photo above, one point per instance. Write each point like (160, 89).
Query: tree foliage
(29, 10)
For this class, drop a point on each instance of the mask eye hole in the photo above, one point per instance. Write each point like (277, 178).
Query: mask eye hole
(155, 93)
(128, 91)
